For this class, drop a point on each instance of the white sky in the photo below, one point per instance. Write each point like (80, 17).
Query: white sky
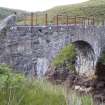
(36, 5)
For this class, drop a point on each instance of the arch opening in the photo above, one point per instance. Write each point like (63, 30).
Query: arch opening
(85, 58)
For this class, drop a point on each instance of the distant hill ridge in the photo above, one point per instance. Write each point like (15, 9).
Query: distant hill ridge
(4, 12)
(89, 8)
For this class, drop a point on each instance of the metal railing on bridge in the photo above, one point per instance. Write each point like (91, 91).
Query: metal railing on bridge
(60, 19)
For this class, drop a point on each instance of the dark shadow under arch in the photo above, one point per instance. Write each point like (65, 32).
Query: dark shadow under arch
(100, 67)
(81, 44)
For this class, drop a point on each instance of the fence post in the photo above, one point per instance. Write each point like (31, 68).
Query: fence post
(57, 22)
(88, 21)
(46, 19)
(31, 21)
(93, 20)
(24, 19)
(67, 20)
(83, 20)
(57, 19)
(75, 20)
(36, 19)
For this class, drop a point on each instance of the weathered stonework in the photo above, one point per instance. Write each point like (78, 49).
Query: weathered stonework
(21, 46)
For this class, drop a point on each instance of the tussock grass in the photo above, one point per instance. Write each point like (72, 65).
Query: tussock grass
(77, 99)
(16, 89)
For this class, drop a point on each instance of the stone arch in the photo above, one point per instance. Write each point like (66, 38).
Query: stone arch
(85, 60)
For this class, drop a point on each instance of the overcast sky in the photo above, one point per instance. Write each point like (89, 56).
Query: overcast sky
(36, 5)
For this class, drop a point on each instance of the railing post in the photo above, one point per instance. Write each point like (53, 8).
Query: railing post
(46, 19)
(75, 20)
(57, 19)
(57, 22)
(93, 20)
(24, 19)
(31, 21)
(88, 21)
(67, 20)
(36, 19)
(83, 20)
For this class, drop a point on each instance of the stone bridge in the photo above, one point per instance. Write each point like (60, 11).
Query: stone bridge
(26, 48)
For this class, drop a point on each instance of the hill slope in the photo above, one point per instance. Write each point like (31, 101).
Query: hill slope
(89, 8)
(6, 11)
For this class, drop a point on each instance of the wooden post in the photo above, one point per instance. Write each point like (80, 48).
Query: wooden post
(57, 22)
(83, 20)
(24, 19)
(75, 20)
(31, 21)
(88, 21)
(36, 19)
(67, 20)
(46, 19)
(93, 20)
(57, 19)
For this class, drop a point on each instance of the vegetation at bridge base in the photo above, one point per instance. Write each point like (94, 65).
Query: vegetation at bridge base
(66, 58)
(77, 99)
(102, 58)
(16, 89)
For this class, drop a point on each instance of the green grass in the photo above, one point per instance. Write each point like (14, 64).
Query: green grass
(91, 7)
(76, 99)
(4, 12)
(32, 93)
(102, 58)
(66, 57)
(87, 9)
(16, 89)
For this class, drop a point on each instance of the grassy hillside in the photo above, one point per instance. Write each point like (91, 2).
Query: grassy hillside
(89, 8)
(6, 11)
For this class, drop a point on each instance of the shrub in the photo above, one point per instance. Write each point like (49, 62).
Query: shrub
(16, 89)
(77, 99)
(66, 57)
(102, 58)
